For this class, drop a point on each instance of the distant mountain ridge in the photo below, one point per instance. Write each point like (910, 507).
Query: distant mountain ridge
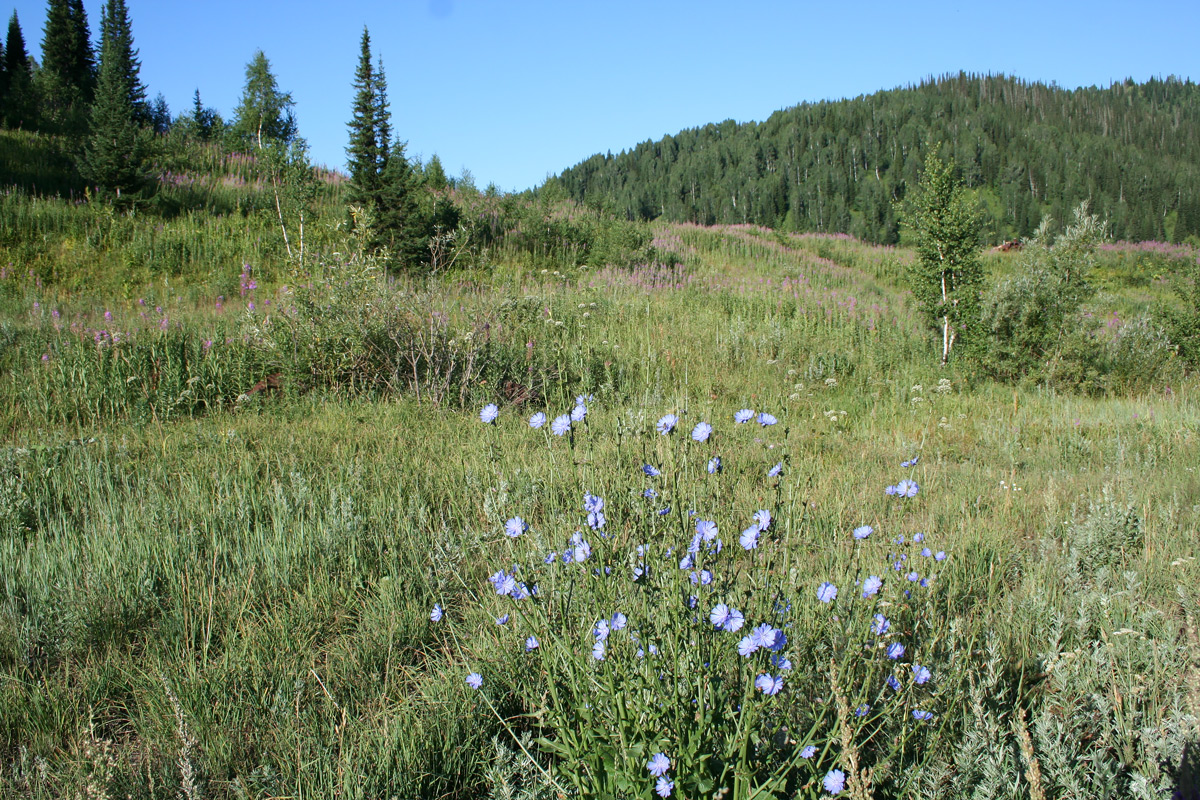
(1026, 148)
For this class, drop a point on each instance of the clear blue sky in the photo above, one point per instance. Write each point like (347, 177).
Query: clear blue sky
(517, 90)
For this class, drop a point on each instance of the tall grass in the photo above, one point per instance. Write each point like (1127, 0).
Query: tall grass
(215, 595)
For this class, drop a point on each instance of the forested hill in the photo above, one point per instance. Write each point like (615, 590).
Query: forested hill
(1026, 148)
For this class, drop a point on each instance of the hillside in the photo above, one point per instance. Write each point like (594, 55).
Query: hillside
(1027, 149)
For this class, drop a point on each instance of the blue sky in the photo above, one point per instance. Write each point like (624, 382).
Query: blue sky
(515, 90)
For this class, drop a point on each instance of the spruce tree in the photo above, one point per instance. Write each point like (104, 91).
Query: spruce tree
(19, 102)
(116, 35)
(363, 151)
(382, 180)
(68, 73)
(263, 113)
(115, 150)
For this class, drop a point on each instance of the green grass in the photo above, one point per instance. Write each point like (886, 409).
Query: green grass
(219, 596)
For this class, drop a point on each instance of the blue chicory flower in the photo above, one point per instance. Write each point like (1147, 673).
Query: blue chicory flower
(775, 471)
(714, 465)
(762, 518)
(707, 529)
(921, 674)
(907, 488)
(537, 420)
(863, 531)
(651, 470)
(667, 424)
(474, 680)
(745, 415)
(702, 431)
(749, 537)
(880, 625)
(436, 614)
(766, 419)
(502, 620)
(871, 586)
(922, 716)
(578, 413)
(664, 786)
(895, 651)
(515, 527)
(489, 413)
(834, 781)
(768, 685)
(809, 751)
(561, 425)
(826, 592)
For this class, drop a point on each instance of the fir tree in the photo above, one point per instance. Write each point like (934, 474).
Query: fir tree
(947, 276)
(115, 150)
(19, 101)
(68, 73)
(263, 113)
(116, 35)
(382, 182)
(363, 151)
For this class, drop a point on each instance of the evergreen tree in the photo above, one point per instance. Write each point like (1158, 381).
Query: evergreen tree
(382, 182)
(19, 101)
(68, 73)
(947, 276)
(116, 35)
(363, 152)
(263, 113)
(435, 175)
(3, 83)
(203, 123)
(115, 150)
(160, 115)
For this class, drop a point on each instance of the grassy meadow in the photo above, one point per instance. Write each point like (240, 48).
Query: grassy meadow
(212, 593)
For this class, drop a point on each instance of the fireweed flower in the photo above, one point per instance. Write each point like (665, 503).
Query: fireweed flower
(658, 764)
(766, 419)
(664, 786)
(762, 518)
(667, 424)
(768, 685)
(880, 625)
(489, 413)
(921, 674)
(436, 614)
(515, 527)
(474, 680)
(863, 532)
(907, 488)
(895, 651)
(749, 537)
(871, 586)
(714, 465)
(561, 425)
(707, 529)
(650, 470)
(531, 644)
(537, 420)
(745, 415)
(578, 413)
(834, 781)
(826, 592)
(775, 471)
(702, 431)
